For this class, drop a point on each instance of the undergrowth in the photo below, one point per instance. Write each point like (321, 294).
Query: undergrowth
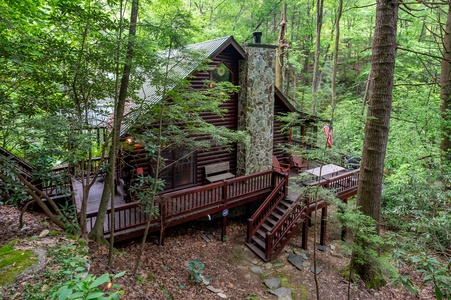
(65, 276)
(13, 262)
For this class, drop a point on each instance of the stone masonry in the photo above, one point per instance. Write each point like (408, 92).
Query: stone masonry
(256, 108)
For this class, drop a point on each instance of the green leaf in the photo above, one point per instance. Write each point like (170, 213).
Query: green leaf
(95, 295)
(76, 295)
(114, 296)
(120, 274)
(64, 293)
(438, 293)
(101, 280)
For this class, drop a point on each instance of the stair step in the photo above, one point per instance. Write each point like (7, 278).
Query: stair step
(257, 251)
(286, 203)
(262, 233)
(267, 227)
(281, 209)
(259, 242)
(271, 221)
(276, 215)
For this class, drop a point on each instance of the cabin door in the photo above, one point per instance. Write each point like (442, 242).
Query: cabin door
(179, 168)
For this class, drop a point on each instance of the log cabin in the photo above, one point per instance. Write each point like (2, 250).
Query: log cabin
(216, 180)
(253, 109)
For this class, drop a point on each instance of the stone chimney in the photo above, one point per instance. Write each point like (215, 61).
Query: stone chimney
(256, 106)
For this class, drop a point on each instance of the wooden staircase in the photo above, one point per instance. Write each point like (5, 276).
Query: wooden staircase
(57, 183)
(274, 223)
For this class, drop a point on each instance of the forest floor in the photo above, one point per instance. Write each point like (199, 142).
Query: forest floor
(235, 272)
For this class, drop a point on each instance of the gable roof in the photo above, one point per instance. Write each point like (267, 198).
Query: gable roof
(181, 63)
(281, 96)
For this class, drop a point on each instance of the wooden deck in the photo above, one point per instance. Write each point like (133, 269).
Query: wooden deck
(186, 205)
(193, 203)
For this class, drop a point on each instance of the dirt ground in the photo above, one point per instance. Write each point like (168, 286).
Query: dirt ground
(235, 272)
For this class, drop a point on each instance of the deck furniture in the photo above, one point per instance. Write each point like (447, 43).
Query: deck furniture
(298, 163)
(218, 172)
(278, 166)
(326, 170)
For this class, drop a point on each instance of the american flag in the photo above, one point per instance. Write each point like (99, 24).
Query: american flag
(328, 131)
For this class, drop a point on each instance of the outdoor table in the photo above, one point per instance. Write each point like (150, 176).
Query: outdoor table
(326, 170)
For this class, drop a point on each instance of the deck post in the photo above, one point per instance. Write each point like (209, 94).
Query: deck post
(343, 229)
(305, 226)
(322, 239)
(224, 226)
(161, 242)
(224, 191)
(286, 185)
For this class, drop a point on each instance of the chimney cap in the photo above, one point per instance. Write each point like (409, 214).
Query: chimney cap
(257, 37)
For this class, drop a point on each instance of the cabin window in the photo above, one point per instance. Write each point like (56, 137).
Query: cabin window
(222, 74)
(179, 170)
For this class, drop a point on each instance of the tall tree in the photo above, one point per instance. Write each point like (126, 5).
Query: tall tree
(108, 191)
(377, 125)
(281, 45)
(335, 56)
(316, 72)
(445, 90)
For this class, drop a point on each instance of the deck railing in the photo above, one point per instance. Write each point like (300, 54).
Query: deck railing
(264, 211)
(208, 198)
(56, 183)
(343, 184)
(280, 234)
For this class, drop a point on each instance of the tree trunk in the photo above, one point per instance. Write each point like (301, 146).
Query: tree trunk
(281, 44)
(445, 91)
(97, 232)
(335, 57)
(377, 125)
(316, 73)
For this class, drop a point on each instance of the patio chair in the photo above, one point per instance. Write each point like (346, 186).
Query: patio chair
(299, 163)
(281, 167)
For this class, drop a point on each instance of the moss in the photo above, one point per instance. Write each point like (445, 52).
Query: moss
(237, 255)
(297, 291)
(14, 262)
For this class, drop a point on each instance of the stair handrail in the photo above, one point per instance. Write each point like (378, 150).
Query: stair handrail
(17, 159)
(265, 209)
(290, 218)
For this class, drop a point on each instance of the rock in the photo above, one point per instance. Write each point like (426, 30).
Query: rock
(306, 264)
(25, 228)
(44, 233)
(221, 295)
(278, 265)
(267, 266)
(213, 289)
(205, 280)
(257, 269)
(332, 247)
(298, 251)
(269, 273)
(318, 269)
(283, 293)
(322, 248)
(272, 283)
(336, 254)
(295, 260)
(253, 261)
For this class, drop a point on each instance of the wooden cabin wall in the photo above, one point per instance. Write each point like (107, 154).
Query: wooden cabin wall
(137, 158)
(230, 57)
